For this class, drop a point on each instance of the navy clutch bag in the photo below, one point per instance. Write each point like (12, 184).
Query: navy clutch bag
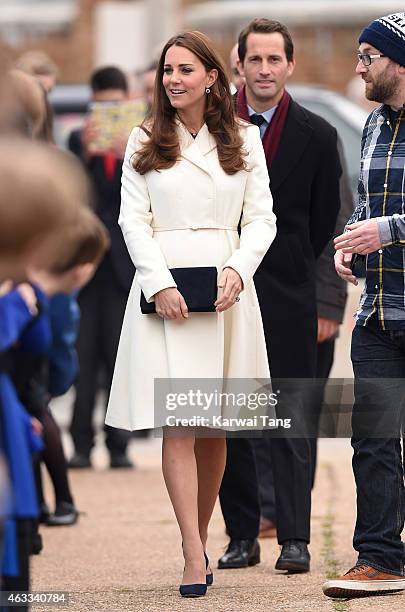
(198, 286)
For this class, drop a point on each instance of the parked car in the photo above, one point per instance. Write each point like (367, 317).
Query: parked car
(347, 117)
(70, 104)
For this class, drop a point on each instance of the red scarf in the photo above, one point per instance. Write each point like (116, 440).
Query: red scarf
(272, 135)
(110, 163)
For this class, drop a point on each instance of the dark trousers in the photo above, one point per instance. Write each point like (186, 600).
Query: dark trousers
(102, 304)
(290, 457)
(379, 368)
(25, 528)
(53, 456)
(261, 446)
(324, 362)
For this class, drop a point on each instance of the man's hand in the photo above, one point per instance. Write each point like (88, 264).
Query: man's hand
(170, 304)
(363, 237)
(327, 328)
(232, 285)
(342, 267)
(88, 134)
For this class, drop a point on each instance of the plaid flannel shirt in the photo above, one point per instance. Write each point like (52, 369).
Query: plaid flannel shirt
(382, 196)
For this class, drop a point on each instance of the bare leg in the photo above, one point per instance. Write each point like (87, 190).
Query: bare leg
(180, 474)
(211, 458)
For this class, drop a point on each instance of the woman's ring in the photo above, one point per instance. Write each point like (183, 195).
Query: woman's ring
(237, 299)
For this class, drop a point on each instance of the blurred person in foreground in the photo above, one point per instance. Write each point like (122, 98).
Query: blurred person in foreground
(376, 230)
(304, 170)
(192, 173)
(26, 99)
(45, 71)
(40, 65)
(46, 193)
(28, 358)
(102, 302)
(36, 198)
(62, 313)
(44, 363)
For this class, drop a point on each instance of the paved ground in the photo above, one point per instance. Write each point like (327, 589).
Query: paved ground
(124, 554)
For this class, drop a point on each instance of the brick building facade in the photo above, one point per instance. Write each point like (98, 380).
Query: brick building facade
(71, 49)
(324, 54)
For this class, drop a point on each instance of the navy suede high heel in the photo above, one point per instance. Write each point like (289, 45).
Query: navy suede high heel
(193, 590)
(209, 577)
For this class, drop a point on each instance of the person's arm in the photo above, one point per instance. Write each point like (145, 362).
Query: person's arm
(391, 229)
(325, 197)
(258, 223)
(331, 290)
(36, 337)
(75, 144)
(135, 221)
(63, 365)
(15, 314)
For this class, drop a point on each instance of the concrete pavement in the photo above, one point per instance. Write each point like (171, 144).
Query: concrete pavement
(125, 553)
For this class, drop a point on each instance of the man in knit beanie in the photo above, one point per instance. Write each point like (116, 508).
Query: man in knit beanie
(376, 231)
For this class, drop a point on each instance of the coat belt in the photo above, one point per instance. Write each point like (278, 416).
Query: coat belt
(195, 227)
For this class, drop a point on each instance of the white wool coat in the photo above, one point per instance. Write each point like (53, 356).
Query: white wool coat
(188, 216)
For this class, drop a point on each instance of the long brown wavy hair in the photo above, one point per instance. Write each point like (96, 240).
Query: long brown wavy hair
(162, 149)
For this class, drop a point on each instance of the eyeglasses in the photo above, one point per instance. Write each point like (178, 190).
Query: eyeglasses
(368, 59)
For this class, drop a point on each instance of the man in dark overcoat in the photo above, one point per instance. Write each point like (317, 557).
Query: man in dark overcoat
(304, 171)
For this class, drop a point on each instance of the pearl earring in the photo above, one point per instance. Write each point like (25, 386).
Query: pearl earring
(208, 90)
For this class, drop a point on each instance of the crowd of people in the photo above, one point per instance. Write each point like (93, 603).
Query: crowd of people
(230, 182)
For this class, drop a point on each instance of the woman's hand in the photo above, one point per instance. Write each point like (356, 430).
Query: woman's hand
(232, 285)
(170, 304)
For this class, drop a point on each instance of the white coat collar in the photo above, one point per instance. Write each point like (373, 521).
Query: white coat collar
(195, 150)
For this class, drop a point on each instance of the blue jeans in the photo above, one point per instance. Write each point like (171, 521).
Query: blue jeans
(379, 368)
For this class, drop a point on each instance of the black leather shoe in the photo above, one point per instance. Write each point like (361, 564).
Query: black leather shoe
(120, 461)
(36, 543)
(240, 553)
(79, 461)
(294, 557)
(44, 512)
(65, 514)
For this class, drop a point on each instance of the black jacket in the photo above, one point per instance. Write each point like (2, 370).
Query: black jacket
(304, 181)
(331, 291)
(108, 202)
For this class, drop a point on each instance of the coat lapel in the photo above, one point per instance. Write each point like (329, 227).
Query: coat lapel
(196, 150)
(296, 135)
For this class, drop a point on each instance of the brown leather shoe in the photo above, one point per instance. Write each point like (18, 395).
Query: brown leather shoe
(363, 580)
(267, 529)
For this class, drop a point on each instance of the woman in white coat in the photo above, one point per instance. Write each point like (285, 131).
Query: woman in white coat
(191, 173)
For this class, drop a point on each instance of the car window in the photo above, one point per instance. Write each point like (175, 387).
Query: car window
(64, 124)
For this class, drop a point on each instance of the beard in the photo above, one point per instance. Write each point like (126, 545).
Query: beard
(383, 88)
